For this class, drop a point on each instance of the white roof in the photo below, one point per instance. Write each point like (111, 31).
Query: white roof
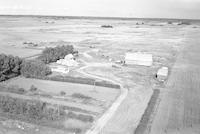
(163, 71)
(139, 56)
(67, 62)
(69, 56)
(60, 69)
(96, 50)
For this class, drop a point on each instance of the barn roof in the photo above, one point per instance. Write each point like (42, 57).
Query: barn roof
(139, 56)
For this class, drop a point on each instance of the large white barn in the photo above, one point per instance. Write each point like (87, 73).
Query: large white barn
(138, 58)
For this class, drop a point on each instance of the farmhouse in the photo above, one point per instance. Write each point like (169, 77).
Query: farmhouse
(69, 60)
(138, 58)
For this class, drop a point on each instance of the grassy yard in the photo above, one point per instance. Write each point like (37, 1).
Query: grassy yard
(99, 93)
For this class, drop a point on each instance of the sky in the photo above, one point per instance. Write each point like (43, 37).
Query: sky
(188, 9)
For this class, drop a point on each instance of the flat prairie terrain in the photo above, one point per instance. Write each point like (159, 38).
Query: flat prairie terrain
(79, 98)
(179, 110)
(164, 41)
(167, 43)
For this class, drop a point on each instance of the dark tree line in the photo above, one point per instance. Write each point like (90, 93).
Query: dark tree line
(53, 54)
(9, 66)
(82, 80)
(35, 69)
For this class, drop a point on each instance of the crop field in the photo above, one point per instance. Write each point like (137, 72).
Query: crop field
(140, 80)
(179, 110)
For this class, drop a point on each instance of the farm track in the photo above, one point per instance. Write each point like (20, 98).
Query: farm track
(102, 121)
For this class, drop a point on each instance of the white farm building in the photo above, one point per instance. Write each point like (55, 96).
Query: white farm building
(162, 73)
(138, 58)
(68, 61)
(63, 65)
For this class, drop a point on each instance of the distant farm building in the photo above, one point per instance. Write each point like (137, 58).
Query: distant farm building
(162, 74)
(69, 60)
(107, 26)
(138, 58)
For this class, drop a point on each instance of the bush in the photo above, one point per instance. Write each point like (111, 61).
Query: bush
(107, 26)
(16, 90)
(33, 88)
(53, 54)
(80, 96)
(82, 117)
(62, 93)
(34, 69)
(9, 66)
(169, 22)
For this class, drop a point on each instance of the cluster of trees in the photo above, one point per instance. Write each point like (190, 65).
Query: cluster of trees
(34, 69)
(30, 109)
(9, 66)
(107, 26)
(53, 54)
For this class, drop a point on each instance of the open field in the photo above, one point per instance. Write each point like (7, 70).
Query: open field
(104, 95)
(81, 99)
(157, 37)
(140, 79)
(179, 110)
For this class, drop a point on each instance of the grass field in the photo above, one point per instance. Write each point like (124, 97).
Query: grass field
(81, 99)
(101, 97)
(99, 93)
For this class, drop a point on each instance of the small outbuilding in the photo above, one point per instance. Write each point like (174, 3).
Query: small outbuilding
(138, 58)
(60, 69)
(162, 73)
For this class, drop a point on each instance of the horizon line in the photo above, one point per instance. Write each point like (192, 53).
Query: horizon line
(98, 17)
